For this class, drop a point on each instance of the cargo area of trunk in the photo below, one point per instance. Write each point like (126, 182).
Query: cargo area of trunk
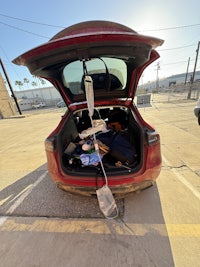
(120, 144)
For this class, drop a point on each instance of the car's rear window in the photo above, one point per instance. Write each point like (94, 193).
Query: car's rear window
(107, 74)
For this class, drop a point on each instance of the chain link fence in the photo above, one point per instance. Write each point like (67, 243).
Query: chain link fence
(171, 94)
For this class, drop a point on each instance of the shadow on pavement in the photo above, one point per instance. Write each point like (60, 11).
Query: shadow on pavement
(46, 200)
(137, 238)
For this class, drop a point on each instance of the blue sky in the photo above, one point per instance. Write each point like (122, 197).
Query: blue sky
(27, 24)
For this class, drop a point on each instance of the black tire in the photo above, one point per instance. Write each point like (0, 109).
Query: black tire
(199, 118)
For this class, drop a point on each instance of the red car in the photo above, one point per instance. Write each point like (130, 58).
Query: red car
(112, 140)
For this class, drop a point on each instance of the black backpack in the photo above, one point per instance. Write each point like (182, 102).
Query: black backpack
(121, 149)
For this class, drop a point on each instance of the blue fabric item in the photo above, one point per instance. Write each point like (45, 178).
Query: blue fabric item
(90, 159)
(78, 150)
(106, 138)
(122, 149)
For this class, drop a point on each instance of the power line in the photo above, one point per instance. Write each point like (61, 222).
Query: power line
(174, 63)
(33, 22)
(172, 28)
(19, 29)
(50, 25)
(179, 47)
(57, 26)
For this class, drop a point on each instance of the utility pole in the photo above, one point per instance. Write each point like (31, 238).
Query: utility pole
(195, 65)
(157, 77)
(187, 70)
(9, 84)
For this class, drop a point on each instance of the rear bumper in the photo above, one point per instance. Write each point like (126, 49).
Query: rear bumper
(120, 184)
(119, 190)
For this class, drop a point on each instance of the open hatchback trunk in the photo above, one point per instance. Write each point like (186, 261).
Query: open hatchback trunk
(113, 56)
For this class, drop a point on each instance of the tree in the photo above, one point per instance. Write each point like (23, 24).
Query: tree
(42, 81)
(34, 84)
(26, 81)
(19, 83)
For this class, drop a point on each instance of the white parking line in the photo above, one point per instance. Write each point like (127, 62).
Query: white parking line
(25, 194)
(183, 180)
(2, 220)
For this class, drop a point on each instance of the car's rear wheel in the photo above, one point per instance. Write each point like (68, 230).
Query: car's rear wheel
(199, 118)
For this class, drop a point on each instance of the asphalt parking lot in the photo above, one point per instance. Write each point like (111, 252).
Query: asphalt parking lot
(41, 225)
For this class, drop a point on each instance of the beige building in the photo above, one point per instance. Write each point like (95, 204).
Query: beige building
(6, 102)
(48, 95)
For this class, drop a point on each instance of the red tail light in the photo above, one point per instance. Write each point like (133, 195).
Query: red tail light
(153, 138)
(50, 144)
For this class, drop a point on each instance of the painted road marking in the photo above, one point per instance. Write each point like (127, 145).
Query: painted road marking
(2, 220)
(25, 194)
(183, 180)
(97, 227)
